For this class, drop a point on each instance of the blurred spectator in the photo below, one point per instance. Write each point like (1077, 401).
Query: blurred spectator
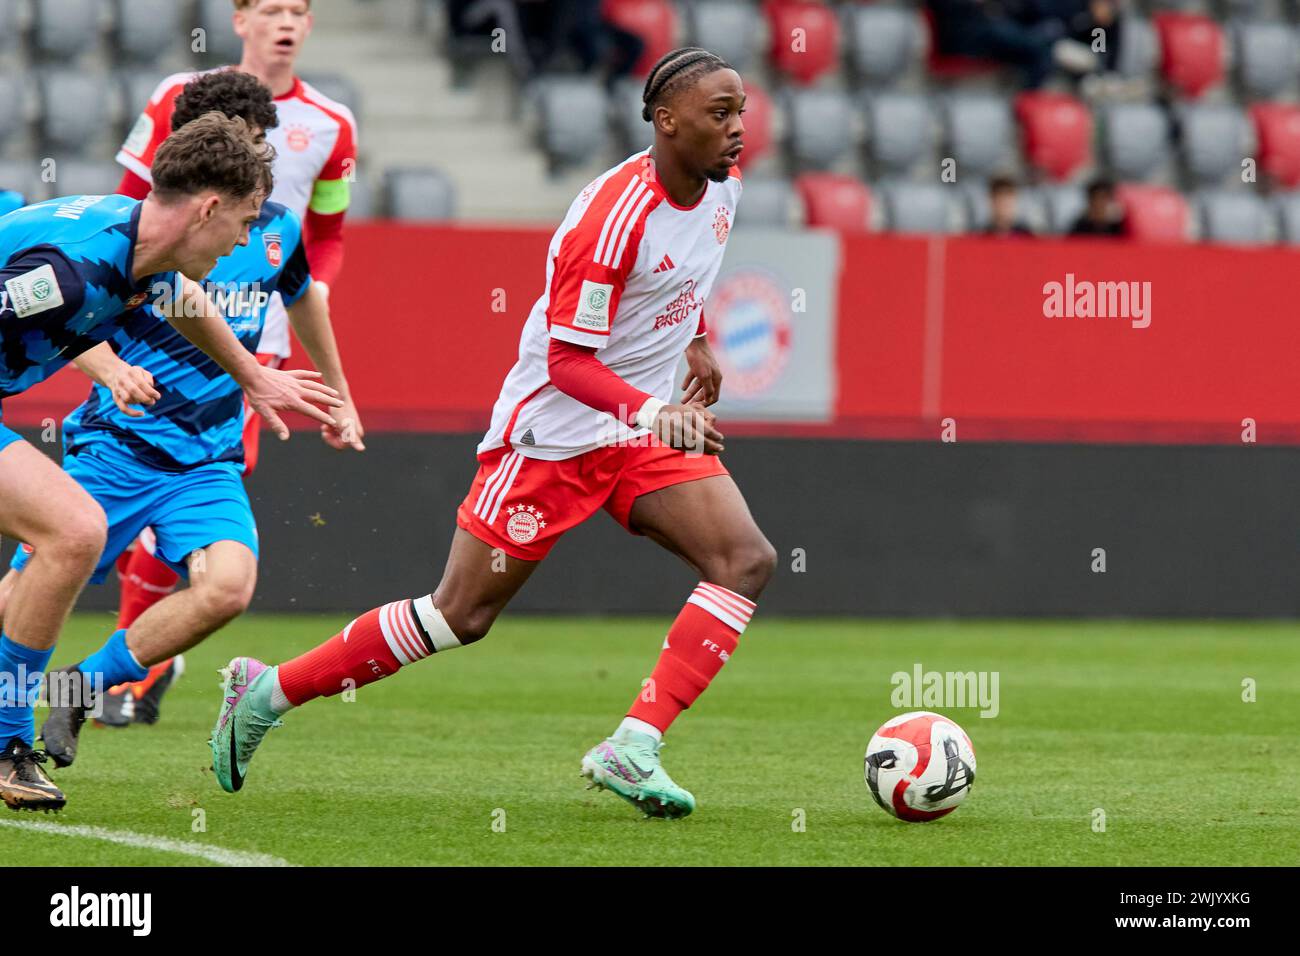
(1103, 215)
(10, 200)
(555, 27)
(1004, 196)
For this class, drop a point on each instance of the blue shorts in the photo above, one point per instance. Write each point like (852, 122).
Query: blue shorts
(187, 510)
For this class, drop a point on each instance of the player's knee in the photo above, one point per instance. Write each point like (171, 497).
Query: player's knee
(745, 567)
(470, 624)
(221, 601)
(80, 539)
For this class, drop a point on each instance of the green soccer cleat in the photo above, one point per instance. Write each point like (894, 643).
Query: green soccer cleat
(246, 716)
(628, 764)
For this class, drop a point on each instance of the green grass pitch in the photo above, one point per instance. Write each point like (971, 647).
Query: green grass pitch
(1143, 720)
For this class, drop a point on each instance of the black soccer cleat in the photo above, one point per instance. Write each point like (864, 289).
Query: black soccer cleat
(70, 695)
(23, 782)
(147, 704)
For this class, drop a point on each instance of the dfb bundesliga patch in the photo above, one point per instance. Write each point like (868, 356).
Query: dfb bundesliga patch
(593, 306)
(34, 292)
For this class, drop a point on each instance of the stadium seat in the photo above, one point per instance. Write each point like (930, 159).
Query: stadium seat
(1062, 205)
(1192, 51)
(833, 201)
(917, 207)
(769, 201)
(1153, 213)
(900, 131)
(1286, 207)
(759, 119)
(9, 34)
(12, 98)
(1232, 216)
(728, 28)
(222, 45)
(1139, 48)
(1265, 56)
(1277, 132)
(805, 38)
(1135, 138)
(1056, 130)
(632, 131)
(145, 30)
(64, 29)
(84, 177)
(419, 194)
(979, 133)
(1213, 141)
(818, 124)
(571, 110)
(654, 21)
(23, 176)
(135, 87)
(883, 42)
(74, 109)
(338, 88)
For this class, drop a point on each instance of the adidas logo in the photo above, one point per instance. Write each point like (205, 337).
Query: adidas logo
(528, 438)
(665, 264)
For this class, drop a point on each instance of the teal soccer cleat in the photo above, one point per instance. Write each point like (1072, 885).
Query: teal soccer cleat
(628, 764)
(246, 716)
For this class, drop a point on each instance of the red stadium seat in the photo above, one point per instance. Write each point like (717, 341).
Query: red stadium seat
(805, 38)
(654, 21)
(834, 201)
(947, 66)
(758, 123)
(1154, 213)
(1192, 51)
(1056, 130)
(1277, 131)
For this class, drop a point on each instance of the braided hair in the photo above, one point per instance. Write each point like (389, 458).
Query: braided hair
(674, 71)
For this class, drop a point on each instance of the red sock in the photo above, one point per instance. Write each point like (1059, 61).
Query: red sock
(374, 646)
(700, 641)
(145, 582)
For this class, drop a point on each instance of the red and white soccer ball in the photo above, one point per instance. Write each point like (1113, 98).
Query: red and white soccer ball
(920, 766)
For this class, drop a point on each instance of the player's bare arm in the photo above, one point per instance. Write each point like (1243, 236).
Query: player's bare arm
(130, 384)
(311, 323)
(703, 382)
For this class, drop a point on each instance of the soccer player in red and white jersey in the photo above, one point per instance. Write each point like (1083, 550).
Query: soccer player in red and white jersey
(584, 422)
(315, 145)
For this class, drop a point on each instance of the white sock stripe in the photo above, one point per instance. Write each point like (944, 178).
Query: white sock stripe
(726, 599)
(724, 592)
(505, 489)
(718, 611)
(489, 486)
(406, 624)
(391, 635)
(435, 625)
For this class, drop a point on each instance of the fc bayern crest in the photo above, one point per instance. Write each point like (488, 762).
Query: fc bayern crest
(273, 248)
(750, 328)
(721, 224)
(298, 138)
(523, 523)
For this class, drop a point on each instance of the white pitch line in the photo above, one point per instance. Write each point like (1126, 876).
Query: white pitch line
(203, 851)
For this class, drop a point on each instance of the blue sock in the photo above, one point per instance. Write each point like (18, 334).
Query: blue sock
(18, 697)
(114, 662)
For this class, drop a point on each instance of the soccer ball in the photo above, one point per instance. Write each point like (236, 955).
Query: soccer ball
(920, 766)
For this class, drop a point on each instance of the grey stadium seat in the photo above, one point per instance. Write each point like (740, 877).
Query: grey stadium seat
(883, 42)
(1265, 57)
(83, 177)
(23, 176)
(1135, 138)
(819, 127)
(572, 114)
(63, 29)
(917, 207)
(729, 28)
(338, 88)
(1286, 206)
(223, 46)
(1139, 48)
(12, 98)
(633, 132)
(1062, 205)
(1213, 141)
(769, 201)
(979, 133)
(419, 194)
(145, 30)
(900, 131)
(74, 109)
(8, 24)
(1232, 216)
(136, 87)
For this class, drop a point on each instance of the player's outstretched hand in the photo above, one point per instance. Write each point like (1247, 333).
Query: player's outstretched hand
(295, 390)
(132, 385)
(703, 382)
(348, 432)
(688, 427)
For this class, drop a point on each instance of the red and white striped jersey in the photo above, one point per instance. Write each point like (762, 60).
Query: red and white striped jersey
(315, 155)
(627, 273)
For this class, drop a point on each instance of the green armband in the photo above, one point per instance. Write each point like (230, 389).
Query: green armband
(330, 196)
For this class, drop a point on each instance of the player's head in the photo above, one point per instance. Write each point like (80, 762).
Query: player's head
(694, 99)
(273, 31)
(212, 175)
(231, 93)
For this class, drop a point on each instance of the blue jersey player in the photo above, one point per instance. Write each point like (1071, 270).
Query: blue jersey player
(71, 271)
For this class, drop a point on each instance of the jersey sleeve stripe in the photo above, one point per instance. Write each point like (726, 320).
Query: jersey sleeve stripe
(130, 162)
(609, 219)
(622, 224)
(631, 227)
